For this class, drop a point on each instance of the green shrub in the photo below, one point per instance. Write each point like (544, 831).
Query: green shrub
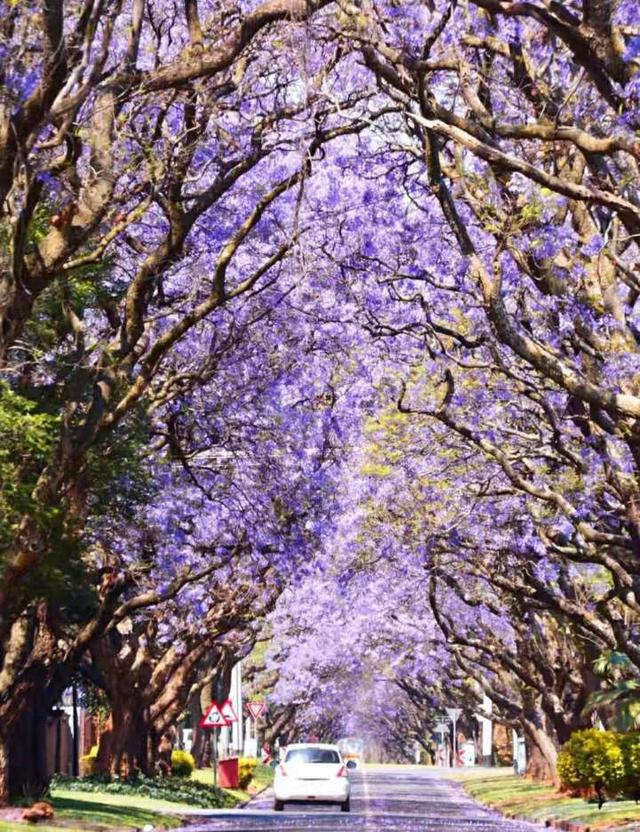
(246, 768)
(593, 759)
(182, 763)
(630, 746)
(176, 789)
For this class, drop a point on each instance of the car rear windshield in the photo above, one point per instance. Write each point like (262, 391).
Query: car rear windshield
(312, 755)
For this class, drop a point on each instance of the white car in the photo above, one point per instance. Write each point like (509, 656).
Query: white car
(312, 773)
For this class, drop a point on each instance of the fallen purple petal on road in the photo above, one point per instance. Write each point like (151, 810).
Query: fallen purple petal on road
(400, 800)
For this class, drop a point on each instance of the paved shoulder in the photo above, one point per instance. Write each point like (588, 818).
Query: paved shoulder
(400, 800)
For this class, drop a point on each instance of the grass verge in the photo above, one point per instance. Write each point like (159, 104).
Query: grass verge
(262, 778)
(75, 811)
(17, 826)
(513, 795)
(99, 810)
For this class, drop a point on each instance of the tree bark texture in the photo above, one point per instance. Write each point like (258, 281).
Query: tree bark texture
(27, 742)
(124, 745)
(4, 769)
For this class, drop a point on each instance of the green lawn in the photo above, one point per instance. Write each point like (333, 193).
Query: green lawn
(100, 809)
(10, 826)
(476, 773)
(516, 796)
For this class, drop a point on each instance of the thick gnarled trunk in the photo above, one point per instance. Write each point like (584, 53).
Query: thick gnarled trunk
(197, 704)
(127, 746)
(542, 751)
(28, 770)
(540, 765)
(23, 751)
(32, 678)
(4, 769)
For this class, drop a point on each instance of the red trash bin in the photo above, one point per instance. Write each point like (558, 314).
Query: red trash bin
(228, 773)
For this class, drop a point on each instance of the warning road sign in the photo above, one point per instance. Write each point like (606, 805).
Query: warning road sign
(228, 711)
(214, 717)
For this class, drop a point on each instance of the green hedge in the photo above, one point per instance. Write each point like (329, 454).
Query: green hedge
(177, 789)
(630, 744)
(603, 761)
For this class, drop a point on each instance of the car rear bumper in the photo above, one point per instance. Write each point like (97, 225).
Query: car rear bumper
(312, 791)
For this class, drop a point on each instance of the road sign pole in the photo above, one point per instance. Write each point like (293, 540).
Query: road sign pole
(214, 755)
(455, 742)
(213, 720)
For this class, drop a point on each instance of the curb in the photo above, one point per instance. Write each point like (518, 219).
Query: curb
(245, 803)
(549, 823)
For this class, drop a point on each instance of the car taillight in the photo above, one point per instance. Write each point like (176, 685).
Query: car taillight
(283, 770)
(342, 772)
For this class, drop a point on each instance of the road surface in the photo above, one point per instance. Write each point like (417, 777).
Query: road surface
(392, 800)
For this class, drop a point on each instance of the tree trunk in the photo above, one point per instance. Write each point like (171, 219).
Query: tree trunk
(104, 759)
(199, 741)
(124, 748)
(28, 770)
(136, 754)
(542, 755)
(4, 769)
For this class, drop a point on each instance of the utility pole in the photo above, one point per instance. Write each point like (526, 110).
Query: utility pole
(75, 749)
(453, 714)
(486, 725)
(237, 732)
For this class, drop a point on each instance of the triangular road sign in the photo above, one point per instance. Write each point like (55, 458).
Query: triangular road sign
(228, 712)
(214, 718)
(256, 710)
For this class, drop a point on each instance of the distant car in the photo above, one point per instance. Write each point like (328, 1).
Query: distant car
(312, 773)
(352, 748)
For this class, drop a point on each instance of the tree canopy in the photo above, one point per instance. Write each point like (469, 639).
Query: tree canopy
(320, 320)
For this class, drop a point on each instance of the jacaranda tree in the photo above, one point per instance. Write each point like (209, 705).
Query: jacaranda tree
(364, 277)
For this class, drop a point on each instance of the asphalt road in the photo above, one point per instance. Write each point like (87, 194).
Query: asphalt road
(401, 800)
